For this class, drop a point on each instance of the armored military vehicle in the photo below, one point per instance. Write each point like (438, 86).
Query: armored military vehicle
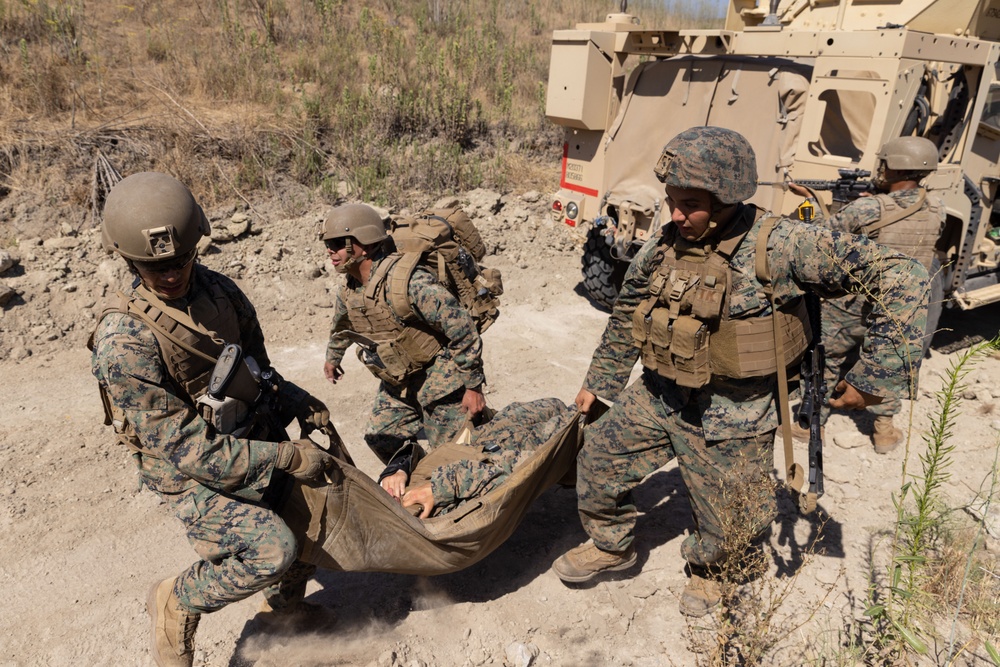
(817, 86)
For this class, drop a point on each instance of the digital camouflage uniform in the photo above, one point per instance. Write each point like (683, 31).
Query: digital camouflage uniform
(219, 486)
(722, 434)
(843, 319)
(431, 398)
(497, 447)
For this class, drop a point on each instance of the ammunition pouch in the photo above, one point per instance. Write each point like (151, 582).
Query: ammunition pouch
(684, 331)
(395, 360)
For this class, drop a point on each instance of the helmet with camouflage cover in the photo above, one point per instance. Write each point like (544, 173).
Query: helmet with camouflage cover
(152, 217)
(715, 159)
(359, 221)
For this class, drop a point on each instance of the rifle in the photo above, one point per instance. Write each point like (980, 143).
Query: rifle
(369, 348)
(813, 389)
(848, 187)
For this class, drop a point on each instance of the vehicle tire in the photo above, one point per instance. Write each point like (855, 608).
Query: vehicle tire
(935, 303)
(602, 274)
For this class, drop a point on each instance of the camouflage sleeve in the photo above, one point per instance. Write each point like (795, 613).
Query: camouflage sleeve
(808, 257)
(337, 345)
(439, 308)
(853, 217)
(127, 363)
(463, 480)
(616, 354)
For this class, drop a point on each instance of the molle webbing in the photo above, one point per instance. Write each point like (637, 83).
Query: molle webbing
(404, 346)
(913, 230)
(684, 328)
(746, 348)
(190, 341)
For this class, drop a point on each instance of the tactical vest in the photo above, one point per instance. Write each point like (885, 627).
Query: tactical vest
(913, 230)
(683, 328)
(402, 348)
(190, 342)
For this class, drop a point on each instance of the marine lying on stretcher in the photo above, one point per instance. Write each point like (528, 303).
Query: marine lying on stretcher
(478, 462)
(473, 492)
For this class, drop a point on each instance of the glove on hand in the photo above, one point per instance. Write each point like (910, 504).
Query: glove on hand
(303, 460)
(312, 414)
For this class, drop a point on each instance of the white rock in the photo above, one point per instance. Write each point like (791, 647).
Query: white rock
(520, 655)
(7, 261)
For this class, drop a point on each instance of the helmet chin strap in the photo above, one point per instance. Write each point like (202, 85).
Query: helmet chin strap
(352, 259)
(713, 221)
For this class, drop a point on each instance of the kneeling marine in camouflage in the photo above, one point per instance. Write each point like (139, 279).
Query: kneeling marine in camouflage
(218, 458)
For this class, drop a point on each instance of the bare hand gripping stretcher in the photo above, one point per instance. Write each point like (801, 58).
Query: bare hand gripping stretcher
(351, 524)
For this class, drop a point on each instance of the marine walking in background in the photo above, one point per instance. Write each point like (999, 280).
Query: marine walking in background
(429, 363)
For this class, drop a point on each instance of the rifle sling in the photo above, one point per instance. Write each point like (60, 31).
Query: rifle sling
(901, 214)
(794, 475)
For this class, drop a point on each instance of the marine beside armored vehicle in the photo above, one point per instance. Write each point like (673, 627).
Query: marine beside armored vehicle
(816, 87)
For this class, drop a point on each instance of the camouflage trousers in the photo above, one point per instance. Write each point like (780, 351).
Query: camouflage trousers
(843, 332)
(397, 418)
(727, 481)
(244, 548)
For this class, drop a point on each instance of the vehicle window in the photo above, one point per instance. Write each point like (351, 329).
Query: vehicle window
(846, 121)
(991, 112)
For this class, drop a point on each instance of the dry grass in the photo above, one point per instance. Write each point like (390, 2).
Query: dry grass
(384, 98)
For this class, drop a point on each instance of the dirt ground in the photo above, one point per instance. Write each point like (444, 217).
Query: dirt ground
(81, 545)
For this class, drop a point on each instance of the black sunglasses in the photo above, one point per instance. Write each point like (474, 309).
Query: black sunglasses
(167, 265)
(333, 245)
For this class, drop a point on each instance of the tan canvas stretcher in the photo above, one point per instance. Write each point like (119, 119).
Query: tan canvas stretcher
(352, 525)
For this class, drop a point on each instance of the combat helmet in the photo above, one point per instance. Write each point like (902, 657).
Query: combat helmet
(359, 221)
(909, 154)
(152, 217)
(710, 158)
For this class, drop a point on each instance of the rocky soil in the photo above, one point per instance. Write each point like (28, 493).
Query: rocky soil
(81, 544)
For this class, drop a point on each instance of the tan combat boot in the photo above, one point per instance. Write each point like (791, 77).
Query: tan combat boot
(886, 436)
(172, 642)
(700, 596)
(586, 561)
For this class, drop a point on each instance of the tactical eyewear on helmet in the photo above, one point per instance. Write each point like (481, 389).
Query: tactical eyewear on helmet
(175, 264)
(335, 245)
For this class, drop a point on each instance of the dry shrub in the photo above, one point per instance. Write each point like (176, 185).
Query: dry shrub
(752, 621)
(979, 593)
